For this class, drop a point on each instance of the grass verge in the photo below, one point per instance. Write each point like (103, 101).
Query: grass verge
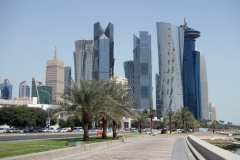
(16, 148)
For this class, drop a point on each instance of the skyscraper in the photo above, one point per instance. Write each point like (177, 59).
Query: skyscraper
(142, 70)
(5, 89)
(103, 52)
(204, 87)
(169, 79)
(24, 90)
(129, 74)
(67, 77)
(35, 83)
(83, 60)
(191, 73)
(55, 77)
(44, 94)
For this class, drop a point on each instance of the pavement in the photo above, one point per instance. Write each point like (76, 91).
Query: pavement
(164, 147)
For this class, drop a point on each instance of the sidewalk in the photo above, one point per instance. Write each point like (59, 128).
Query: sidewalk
(149, 147)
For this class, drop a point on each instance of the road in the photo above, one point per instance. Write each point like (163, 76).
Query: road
(34, 136)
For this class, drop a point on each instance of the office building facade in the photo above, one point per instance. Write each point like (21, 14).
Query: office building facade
(83, 60)
(169, 79)
(5, 89)
(103, 52)
(191, 73)
(24, 90)
(35, 83)
(67, 77)
(44, 94)
(142, 70)
(129, 74)
(55, 77)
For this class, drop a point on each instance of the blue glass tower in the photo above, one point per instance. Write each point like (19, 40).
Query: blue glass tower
(5, 90)
(191, 73)
(142, 70)
(103, 52)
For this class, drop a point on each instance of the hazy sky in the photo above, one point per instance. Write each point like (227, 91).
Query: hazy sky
(29, 29)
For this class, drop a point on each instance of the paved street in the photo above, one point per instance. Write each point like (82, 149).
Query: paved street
(149, 147)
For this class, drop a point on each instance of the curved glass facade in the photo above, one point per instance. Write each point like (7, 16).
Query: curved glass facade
(24, 90)
(169, 94)
(83, 60)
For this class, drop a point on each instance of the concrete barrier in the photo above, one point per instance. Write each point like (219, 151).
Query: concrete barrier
(210, 151)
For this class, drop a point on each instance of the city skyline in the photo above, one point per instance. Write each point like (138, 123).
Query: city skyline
(34, 33)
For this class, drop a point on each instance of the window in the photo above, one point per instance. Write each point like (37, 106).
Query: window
(144, 91)
(144, 69)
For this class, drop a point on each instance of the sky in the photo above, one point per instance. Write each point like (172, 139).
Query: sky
(29, 30)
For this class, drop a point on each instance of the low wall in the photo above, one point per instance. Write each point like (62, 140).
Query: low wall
(48, 155)
(210, 151)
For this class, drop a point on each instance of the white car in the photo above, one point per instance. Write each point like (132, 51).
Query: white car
(52, 130)
(77, 129)
(3, 130)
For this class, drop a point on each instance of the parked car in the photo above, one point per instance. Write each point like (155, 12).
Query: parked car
(163, 131)
(26, 130)
(13, 130)
(52, 130)
(3, 130)
(77, 129)
(134, 129)
(63, 130)
(37, 130)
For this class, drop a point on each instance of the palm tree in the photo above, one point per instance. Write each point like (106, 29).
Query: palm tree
(170, 116)
(141, 120)
(86, 101)
(118, 106)
(183, 113)
(151, 114)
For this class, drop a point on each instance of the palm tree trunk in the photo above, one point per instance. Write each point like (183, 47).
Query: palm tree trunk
(114, 129)
(170, 121)
(85, 127)
(151, 124)
(140, 130)
(104, 134)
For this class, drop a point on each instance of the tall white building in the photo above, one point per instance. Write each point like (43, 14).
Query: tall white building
(169, 89)
(204, 87)
(55, 77)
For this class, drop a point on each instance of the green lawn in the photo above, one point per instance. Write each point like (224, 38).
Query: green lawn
(15, 148)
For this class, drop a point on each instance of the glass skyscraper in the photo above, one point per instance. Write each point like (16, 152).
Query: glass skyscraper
(5, 89)
(103, 52)
(24, 90)
(83, 60)
(35, 83)
(169, 79)
(67, 76)
(142, 70)
(44, 94)
(191, 73)
(129, 74)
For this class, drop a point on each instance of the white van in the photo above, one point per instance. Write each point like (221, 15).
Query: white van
(77, 129)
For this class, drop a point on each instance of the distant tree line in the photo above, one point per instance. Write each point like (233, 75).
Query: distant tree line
(23, 116)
